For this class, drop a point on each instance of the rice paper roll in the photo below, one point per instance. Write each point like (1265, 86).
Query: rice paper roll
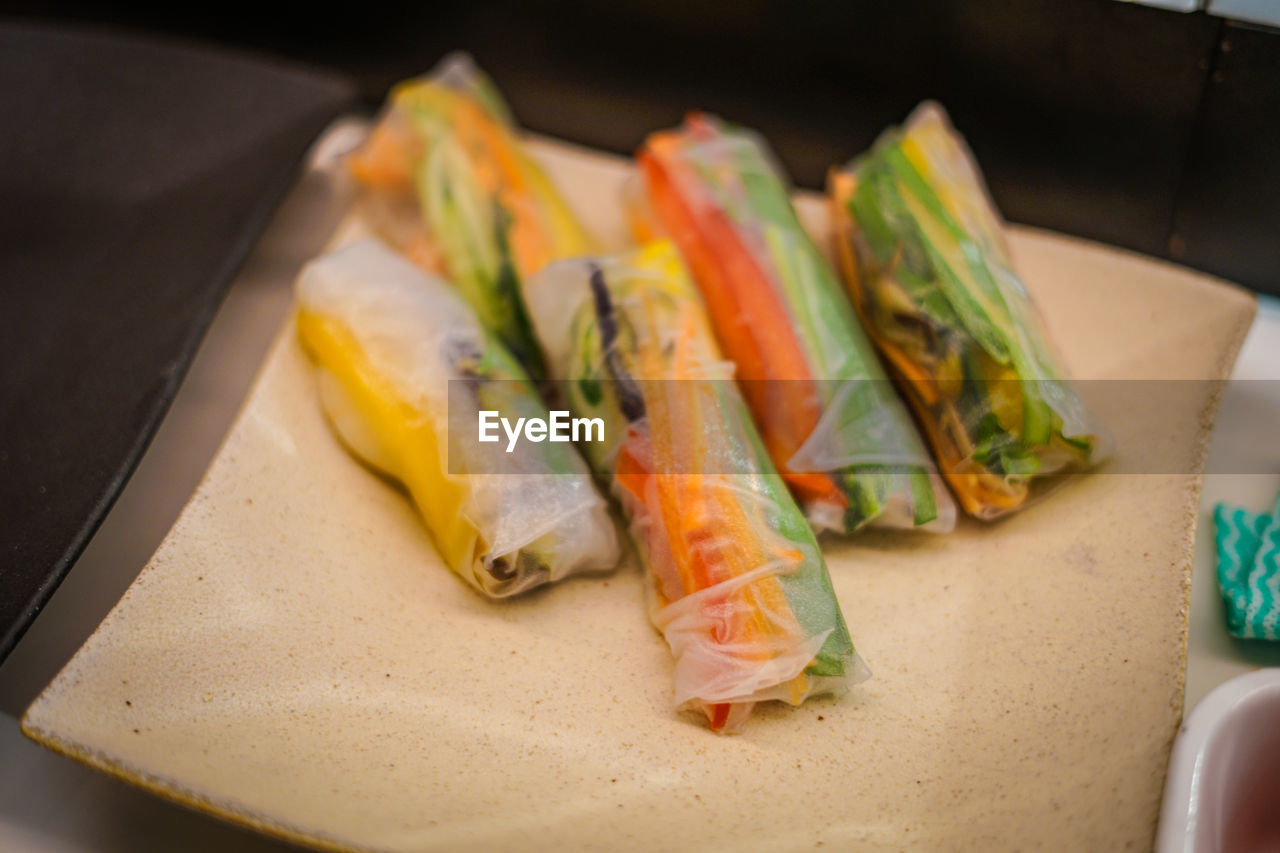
(450, 185)
(924, 257)
(737, 583)
(404, 369)
(830, 418)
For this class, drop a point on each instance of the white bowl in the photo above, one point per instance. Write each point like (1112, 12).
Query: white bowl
(1223, 787)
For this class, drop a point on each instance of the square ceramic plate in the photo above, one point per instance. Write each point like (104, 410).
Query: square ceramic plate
(296, 658)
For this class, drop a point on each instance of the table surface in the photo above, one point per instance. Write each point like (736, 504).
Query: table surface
(50, 803)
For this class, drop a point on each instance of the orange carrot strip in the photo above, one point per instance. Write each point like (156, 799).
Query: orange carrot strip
(777, 382)
(385, 160)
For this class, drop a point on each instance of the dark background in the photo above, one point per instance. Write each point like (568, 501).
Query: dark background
(134, 177)
(1148, 129)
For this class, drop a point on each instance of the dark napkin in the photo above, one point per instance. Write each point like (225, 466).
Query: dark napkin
(135, 176)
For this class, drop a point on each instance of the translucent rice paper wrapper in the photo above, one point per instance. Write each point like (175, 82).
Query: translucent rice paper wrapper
(738, 585)
(923, 254)
(830, 417)
(449, 185)
(405, 368)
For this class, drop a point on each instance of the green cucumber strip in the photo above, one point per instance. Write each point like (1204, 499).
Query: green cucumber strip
(1037, 416)
(981, 287)
(980, 284)
(928, 297)
(508, 292)
(914, 273)
(461, 225)
(864, 488)
(863, 207)
(955, 284)
(808, 590)
(924, 502)
(472, 234)
(1001, 451)
(907, 174)
(884, 196)
(1083, 442)
(990, 433)
(766, 192)
(809, 332)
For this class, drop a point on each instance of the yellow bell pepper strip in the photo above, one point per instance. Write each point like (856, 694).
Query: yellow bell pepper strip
(829, 417)
(446, 161)
(403, 370)
(924, 259)
(737, 581)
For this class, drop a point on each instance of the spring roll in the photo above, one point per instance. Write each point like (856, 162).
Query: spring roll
(829, 416)
(450, 185)
(923, 254)
(404, 370)
(738, 585)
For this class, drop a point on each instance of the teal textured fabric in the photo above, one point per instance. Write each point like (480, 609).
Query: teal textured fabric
(1249, 570)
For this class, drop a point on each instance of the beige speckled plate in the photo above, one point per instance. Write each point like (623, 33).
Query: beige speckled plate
(295, 657)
